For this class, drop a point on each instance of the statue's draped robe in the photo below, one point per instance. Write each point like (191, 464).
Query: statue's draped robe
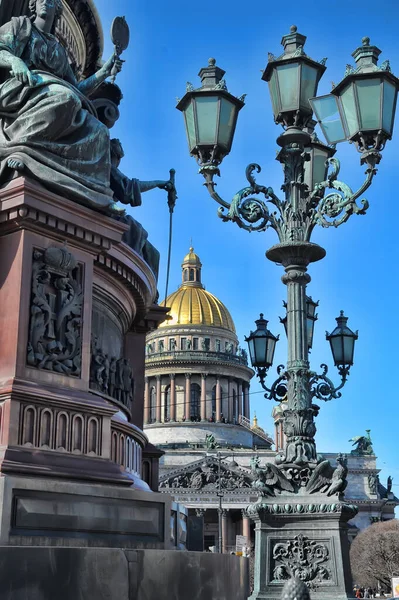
(51, 127)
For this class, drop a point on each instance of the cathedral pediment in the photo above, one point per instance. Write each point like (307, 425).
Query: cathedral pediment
(205, 475)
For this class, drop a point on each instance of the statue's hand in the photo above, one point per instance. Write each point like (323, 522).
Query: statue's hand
(20, 71)
(112, 66)
(165, 185)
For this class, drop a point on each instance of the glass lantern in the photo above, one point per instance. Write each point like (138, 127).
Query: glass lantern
(342, 342)
(210, 115)
(261, 344)
(361, 108)
(293, 79)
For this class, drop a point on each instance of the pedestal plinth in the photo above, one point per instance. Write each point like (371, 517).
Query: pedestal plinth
(305, 538)
(76, 303)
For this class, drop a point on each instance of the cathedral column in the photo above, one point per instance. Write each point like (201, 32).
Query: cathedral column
(230, 401)
(240, 409)
(246, 401)
(172, 397)
(187, 397)
(203, 396)
(225, 515)
(146, 401)
(218, 401)
(158, 400)
(246, 527)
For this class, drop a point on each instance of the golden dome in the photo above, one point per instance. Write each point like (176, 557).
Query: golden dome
(192, 258)
(191, 304)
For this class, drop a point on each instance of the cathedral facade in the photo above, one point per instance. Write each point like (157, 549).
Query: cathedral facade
(197, 410)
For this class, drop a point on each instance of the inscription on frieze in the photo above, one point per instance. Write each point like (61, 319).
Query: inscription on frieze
(55, 328)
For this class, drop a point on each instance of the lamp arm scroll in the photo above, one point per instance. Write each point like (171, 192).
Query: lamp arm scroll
(336, 208)
(323, 388)
(278, 391)
(248, 212)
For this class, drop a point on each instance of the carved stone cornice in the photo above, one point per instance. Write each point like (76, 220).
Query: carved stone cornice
(27, 205)
(260, 510)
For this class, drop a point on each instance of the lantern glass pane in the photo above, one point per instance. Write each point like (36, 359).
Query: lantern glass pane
(327, 113)
(349, 344)
(288, 85)
(207, 114)
(251, 347)
(273, 89)
(190, 126)
(337, 350)
(318, 159)
(270, 351)
(369, 95)
(309, 328)
(388, 106)
(226, 122)
(260, 351)
(308, 84)
(349, 108)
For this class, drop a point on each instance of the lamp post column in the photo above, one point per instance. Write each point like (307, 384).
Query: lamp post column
(225, 514)
(158, 399)
(203, 396)
(187, 397)
(172, 397)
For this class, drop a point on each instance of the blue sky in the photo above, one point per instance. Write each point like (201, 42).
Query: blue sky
(170, 42)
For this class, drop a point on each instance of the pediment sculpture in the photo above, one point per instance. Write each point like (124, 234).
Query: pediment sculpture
(204, 476)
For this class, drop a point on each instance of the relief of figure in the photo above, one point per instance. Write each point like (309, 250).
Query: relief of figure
(127, 379)
(112, 376)
(119, 380)
(48, 125)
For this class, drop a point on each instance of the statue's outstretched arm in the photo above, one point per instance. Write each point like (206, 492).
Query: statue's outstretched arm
(145, 186)
(87, 86)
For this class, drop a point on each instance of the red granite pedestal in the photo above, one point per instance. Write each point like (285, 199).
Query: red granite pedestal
(75, 306)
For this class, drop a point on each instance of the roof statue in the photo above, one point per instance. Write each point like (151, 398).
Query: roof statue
(363, 444)
(48, 126)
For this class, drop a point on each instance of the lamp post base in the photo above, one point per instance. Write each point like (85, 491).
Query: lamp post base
(304, 537)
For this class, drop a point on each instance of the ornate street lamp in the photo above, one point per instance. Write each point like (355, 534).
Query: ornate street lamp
(342, 341)
(293, 79)
(210, 115)
(360, 109)
(261, 344)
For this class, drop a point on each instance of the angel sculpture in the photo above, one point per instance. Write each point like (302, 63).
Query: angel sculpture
(269, 478)
(363, 444)
(327, 479)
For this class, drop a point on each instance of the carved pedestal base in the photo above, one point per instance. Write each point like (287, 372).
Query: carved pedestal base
(76, 304)
(306, 538)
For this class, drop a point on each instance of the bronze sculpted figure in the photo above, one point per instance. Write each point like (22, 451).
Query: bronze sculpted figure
(48, 125)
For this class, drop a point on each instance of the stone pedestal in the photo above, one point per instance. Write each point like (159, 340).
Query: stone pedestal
(305, 538)
(76, 304)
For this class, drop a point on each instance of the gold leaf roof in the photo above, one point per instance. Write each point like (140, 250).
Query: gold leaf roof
(191, 304)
